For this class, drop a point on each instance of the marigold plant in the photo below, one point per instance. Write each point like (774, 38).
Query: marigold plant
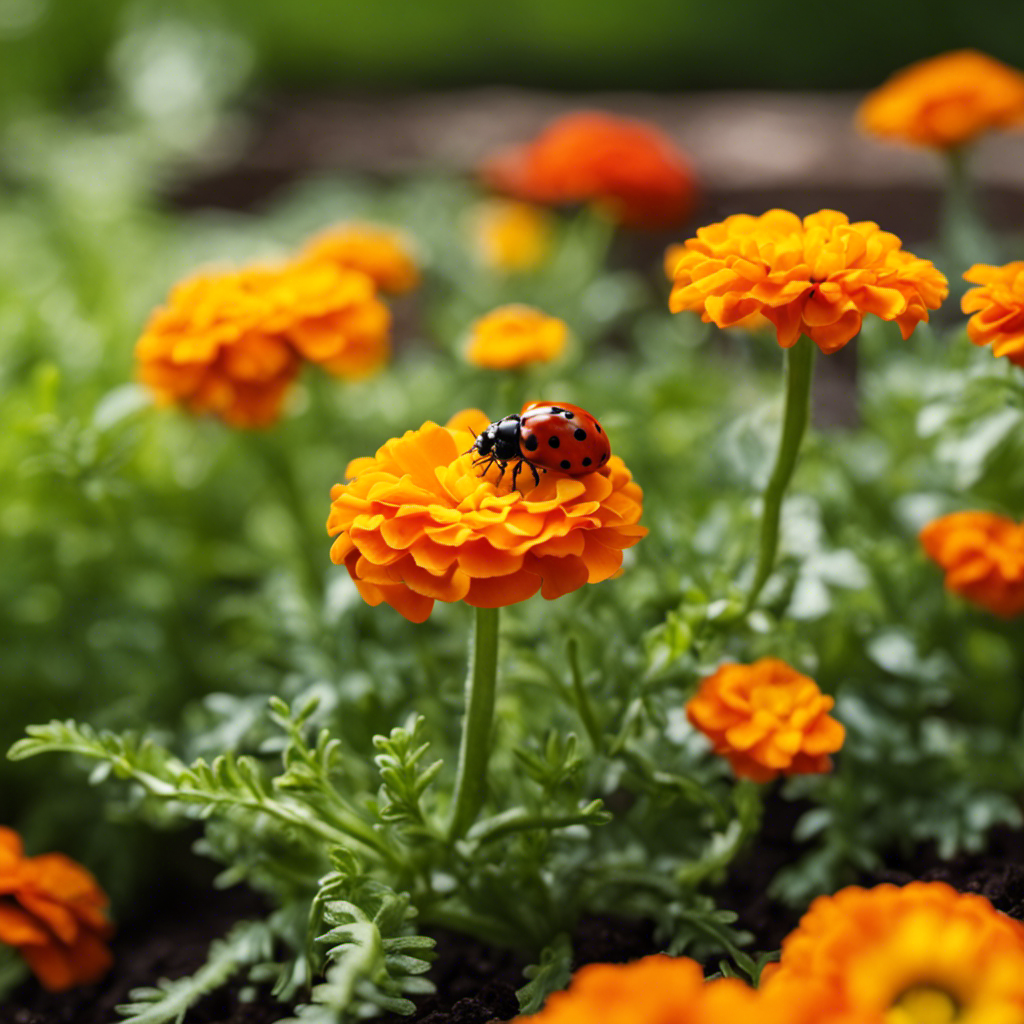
(419, 522)
(628, 168)
(923, 952)
(818, 276)
(511, 337)
(511, 236)
(231, 343)
(384, 254)
(766, 719)
(998, 308)
(54, 913)
(946, 101)
(982, 555)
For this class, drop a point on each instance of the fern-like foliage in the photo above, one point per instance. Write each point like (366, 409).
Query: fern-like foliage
(373, 957)
(248, 943)
(404, 781)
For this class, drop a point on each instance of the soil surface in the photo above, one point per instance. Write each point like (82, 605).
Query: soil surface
(477, 984)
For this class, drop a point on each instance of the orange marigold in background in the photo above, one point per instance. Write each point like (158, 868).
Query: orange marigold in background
(766, 719)
(946, 101)
(998, 308)
(923, 953)
(417, 522)
(628, 168)
(54, 913)
(382, 253)
(511, 337)
(982, 555)
(672, 990)
(511, 236)
(818, 276)
(231, 343)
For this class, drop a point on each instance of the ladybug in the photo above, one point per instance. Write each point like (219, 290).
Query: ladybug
(544, 436)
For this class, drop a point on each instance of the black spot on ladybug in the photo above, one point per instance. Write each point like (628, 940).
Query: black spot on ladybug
(586, 461)
(531, 443)
(557, 408)
(598, 425)
(565, 464)
(553, 442)
(569, 415)
(580, 434)
(604, 455)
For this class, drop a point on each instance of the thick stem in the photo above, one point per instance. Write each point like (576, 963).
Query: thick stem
(964, 235)
(481, 684)
(799, 371)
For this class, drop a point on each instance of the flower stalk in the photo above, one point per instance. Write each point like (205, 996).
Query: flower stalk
(965, 240)
(481, 685)
(799, 371)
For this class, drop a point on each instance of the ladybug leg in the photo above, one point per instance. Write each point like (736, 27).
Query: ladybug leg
(515, 473)
(504, 466)
(536, 475)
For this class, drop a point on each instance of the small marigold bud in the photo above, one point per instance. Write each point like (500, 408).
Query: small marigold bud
(511, 337)
(54, 913)
(767, 719)
(982, 555)
(510, 236)
(946, 101)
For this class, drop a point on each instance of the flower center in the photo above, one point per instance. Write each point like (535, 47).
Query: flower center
(924, 1005)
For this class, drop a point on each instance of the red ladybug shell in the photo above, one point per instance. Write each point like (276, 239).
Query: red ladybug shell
(562, 437)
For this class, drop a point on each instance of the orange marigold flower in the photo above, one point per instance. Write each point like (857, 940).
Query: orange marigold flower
(53, 912)
(418, 522)
(382, 253)
(672, 990)
(946, 101)
(628, 168)
(511, 337)
(232, 343)
(817, 276)
(998, 308)
(923, 952)
(767, 719)
(511, 236)
(982, 555)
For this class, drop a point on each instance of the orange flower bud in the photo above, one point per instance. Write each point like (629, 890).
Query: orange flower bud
(419, 522)
(818, 276)
(511, 337)
(998, 308)
(54, 913)
(946, 101)
(982, 555)
(923, 952)
(628, 168)
(510, 236)
(766, 719)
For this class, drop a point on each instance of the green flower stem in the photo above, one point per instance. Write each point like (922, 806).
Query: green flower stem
(799, 373)
(964, 236)
(481, 684)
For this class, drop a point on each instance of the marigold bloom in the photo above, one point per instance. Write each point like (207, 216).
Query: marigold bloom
(418, 522)
(923, 952)
(946, 101)
(998, 308)
(510, 236)
(672, 990)
(628, 168)
(232, 343)
(53, 912)
(818, 276)
(511, 337)
(384, 254)
(982, 555)
(766, 719)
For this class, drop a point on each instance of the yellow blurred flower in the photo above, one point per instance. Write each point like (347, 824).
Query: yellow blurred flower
(946, 101)
(418, 522)
(766, 719)
(511, 337)
(998, 308)
(510, 236)
(384, 254)
(921, 954)
(982, 555)
(818, 276)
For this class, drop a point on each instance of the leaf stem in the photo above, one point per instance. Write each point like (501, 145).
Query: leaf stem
(799, 373)
(481, 684)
